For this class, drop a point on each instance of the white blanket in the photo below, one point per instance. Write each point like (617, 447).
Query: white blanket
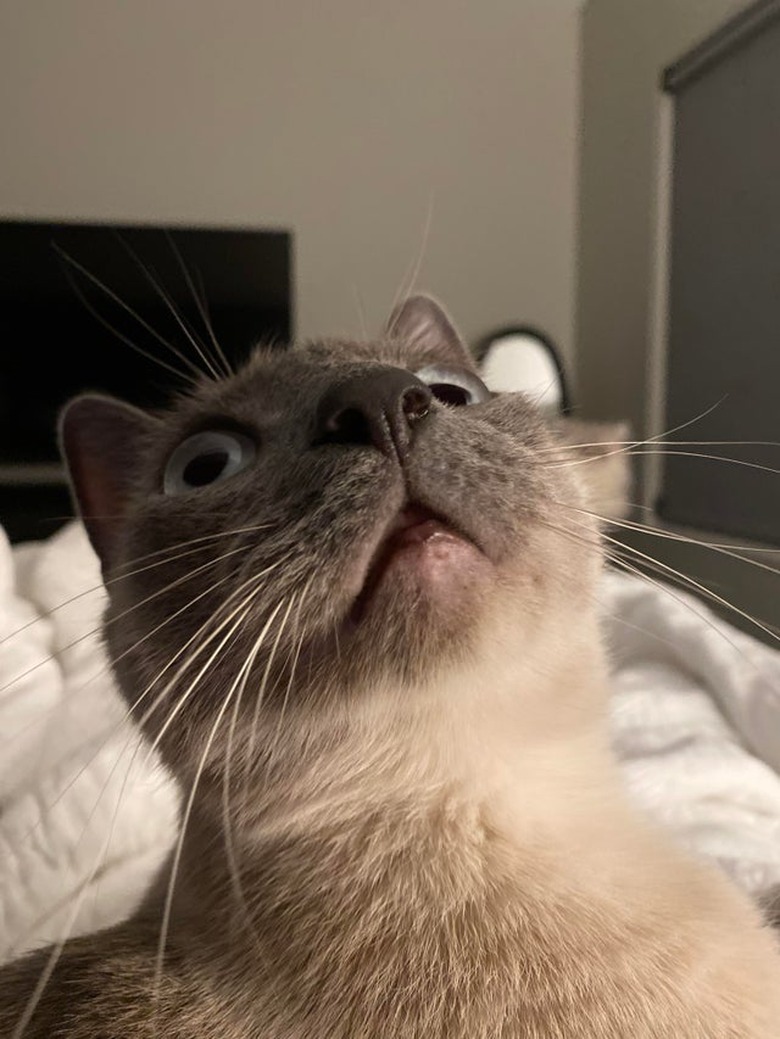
(86, 818)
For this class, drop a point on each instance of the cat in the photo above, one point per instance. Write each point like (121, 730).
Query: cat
(350, 604)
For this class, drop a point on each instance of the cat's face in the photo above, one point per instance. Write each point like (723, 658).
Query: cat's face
(323, 523)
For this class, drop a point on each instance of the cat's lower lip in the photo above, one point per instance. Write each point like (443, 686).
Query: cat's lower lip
(419, 539)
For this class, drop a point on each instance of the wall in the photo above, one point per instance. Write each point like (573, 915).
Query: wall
(626, 45)
(340, 120)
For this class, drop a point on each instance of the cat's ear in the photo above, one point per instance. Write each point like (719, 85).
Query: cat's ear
(424, 324)
(606, 472)
(102, 440)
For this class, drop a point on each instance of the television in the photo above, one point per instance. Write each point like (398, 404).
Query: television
(136, 311)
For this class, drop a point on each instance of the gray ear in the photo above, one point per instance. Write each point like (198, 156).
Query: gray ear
(102, 440)
(422, 322)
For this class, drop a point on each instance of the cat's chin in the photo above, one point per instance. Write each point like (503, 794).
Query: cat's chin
(420, 560)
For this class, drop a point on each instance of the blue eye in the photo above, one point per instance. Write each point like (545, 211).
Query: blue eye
(205, 459)
(453, 385)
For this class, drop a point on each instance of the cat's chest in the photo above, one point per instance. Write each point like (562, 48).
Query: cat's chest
(387, 959)
(493, 991)
(447, 929)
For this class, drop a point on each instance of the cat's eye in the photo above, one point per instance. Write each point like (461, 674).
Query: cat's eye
(207, 458)
(454, 385)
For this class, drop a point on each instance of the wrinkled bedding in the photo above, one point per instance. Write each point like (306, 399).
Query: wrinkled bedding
(86, 816)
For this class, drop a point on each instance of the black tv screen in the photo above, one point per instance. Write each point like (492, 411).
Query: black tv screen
(134, 311)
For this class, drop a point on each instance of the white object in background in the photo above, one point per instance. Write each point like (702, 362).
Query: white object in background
(88, 817)
(520, 361)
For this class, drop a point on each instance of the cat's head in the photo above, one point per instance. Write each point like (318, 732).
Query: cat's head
(334, 520)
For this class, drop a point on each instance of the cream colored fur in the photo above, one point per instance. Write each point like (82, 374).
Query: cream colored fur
(490, 870)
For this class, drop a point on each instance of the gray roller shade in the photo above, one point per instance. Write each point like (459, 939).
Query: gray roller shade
(724, 291)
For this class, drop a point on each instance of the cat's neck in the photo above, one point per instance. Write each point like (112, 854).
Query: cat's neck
(371, 900)
(489, 769)
(515, 741)
(398, 857)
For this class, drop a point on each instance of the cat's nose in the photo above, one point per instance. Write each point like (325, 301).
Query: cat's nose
(379, 408)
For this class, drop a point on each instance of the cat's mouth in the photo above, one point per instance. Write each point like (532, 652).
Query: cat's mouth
(423, 549)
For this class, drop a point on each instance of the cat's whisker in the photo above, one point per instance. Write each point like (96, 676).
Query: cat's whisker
(692, 583)
(161, 696)
(165, 296)
(659, 438)
(187, 812)
(201, 304)
(218, 535)
(613, 557)
(412, 272)
(689, 584)
(105, 669)
(729, 550)
(168, 556)
(563, 449)
(58, 946)
(666, 589)
(184, 698)
(123, 614)
(128, 714)
(197, 373)
(230, 846)
(272, 338)
(133, 734)
(298, 643)
(115, 332)
(643, 452)
(200, 631)
(537, 397)
(640, 450)
(56, 951)
(620, 563)
(260, 695)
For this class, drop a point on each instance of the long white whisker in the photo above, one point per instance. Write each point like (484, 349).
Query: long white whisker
(566, 447)
(230, 848)
(184, 698)
(90, 634)
(617, 560)
(59, 945)
(729, 550)
(168, 904)
(104, 585)
(129, 712)
(642, 452)
(650, 440)
(264, 680)
(413, 272)
(200, 304)
(666, 589)
(137, 317)
(172, 308)
(697, 585)
(293, 669)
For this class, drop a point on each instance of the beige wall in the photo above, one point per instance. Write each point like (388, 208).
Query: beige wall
(626, 45)
(339, 120)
